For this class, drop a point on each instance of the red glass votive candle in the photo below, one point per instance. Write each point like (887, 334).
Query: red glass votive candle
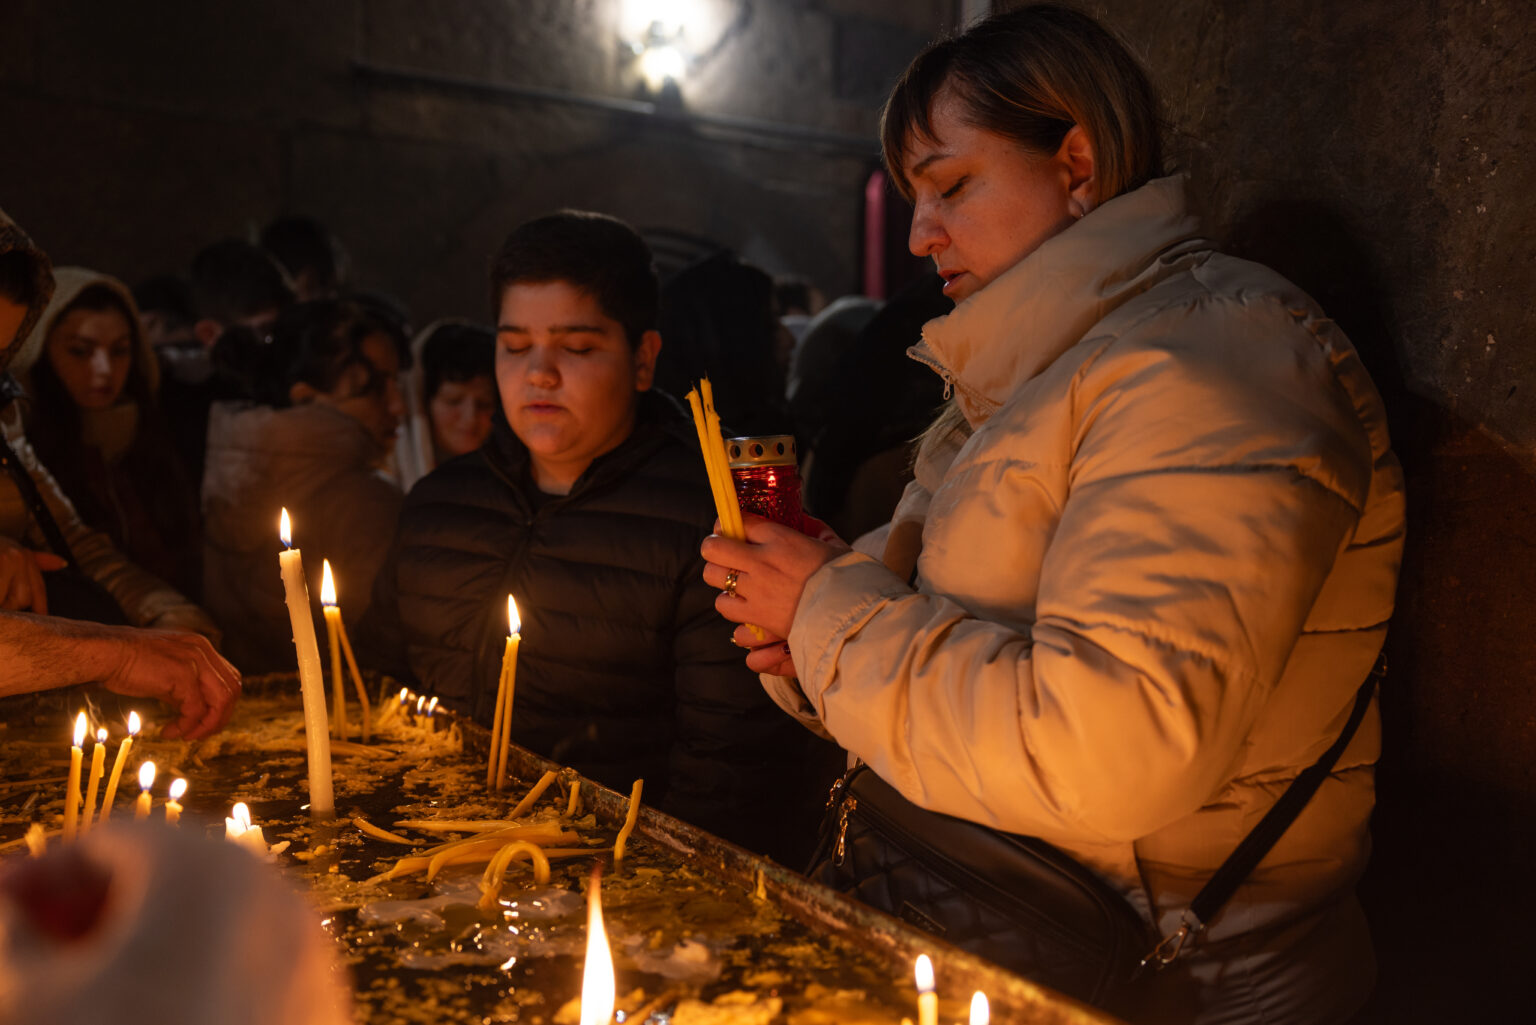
(766, 476)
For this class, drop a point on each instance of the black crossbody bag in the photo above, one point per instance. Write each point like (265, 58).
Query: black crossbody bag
(1018, 901)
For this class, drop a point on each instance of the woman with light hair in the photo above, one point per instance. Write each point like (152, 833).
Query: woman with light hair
(1152, 546)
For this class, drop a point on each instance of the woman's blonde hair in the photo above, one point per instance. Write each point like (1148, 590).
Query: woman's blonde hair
(1029, 75)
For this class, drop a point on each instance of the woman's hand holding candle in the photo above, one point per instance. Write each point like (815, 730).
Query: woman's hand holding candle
(771, 566)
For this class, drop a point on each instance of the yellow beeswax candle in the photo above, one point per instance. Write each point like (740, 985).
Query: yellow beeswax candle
(322, 800)
(981, 1012)
(357, 677)
(509, 681)
(146, 780)
(333, 634)
(117, 766)
(98, 768)
(72, 789)
(173, 801)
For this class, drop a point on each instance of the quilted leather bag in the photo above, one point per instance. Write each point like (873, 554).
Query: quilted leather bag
(1014, 900)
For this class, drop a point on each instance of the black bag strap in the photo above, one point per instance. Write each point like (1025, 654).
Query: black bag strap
(9, 391)
(1263, 837)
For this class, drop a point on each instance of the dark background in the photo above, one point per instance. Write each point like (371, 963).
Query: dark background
(1379, 153)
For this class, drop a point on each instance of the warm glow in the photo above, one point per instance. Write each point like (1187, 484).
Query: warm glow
(80, 727)
(133, 724)
(597, 982)
(285, 530)
(178, 788)
(327, 584)
(981, 1014)
(662, 64)
(421, 702)
(514, 621)
(432, 707)
(146, 775)
(241, 815)
(101, 736)
(403, 694)
(924, 973)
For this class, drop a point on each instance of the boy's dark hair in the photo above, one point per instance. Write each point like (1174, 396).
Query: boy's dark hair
(169, 295)
(313, 343)
(232, 280)
(304, 245)
(457, 353)
(598, 254)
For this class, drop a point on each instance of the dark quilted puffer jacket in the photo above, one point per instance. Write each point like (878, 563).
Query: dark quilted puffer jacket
(626, 670)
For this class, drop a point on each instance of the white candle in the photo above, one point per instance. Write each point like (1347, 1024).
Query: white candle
(238, 829)
(117, 766)
(322, 802)
(333, 634)
(927, 999)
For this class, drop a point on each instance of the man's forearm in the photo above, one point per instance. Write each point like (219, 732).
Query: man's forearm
(45, 652)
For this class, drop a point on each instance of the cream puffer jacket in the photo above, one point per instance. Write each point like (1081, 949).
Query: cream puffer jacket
(1150, 584)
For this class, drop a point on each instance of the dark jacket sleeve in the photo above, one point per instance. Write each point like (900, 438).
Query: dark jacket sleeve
(739, 766)
(380, 638)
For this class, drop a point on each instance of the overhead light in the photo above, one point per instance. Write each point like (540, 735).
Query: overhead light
(662, 64)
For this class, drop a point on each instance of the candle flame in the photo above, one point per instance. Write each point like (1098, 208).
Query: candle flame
(146, 775)
(403, 694)
(101, 736)
(421, 702)
(598, 987)
(134, 723)
(178, 788)
(514, 621)
(241, 814)
(285, 530)
(923, 970)
(981, 1013)
(432, 707)
(327, 584)
(80, 727)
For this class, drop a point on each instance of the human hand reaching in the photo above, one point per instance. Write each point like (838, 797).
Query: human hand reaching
(761, 580)
(21, 577)
(180, 669)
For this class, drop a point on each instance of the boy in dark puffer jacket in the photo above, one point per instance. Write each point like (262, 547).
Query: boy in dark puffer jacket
(588, 504)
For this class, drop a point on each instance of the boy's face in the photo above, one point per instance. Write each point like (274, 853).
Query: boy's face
(568, 377)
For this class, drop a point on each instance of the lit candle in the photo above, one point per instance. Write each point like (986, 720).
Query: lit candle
(333, 634)
(117, 766)
(432, 716)
(146, 780)
(173, 804)
(927, 999)
(238, 829)
(98, 769)
(981, 1014)
(333, 615)
(322, 802)
(506, 690)
(72, 791)
(598, 987)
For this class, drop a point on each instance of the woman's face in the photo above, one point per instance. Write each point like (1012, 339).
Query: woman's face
(982, 202)
(369, 390)
(91, 352)
(460, 412)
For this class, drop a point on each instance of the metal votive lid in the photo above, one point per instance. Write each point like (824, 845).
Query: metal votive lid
(765, 450)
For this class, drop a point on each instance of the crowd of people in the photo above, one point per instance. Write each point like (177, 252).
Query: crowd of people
(1117, 596)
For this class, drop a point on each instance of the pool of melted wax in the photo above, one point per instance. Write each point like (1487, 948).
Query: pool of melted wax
(686, 949)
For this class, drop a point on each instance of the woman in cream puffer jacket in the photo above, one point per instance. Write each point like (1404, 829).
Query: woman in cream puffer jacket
(1153, 566)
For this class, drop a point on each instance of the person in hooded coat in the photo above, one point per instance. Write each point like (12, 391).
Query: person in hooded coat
(92, 378)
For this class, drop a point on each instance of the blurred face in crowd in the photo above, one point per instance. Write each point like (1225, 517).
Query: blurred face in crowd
(568, 377)
(460, 412)
(12, 313)
(982, 202)
(369, 390)
(90, 352)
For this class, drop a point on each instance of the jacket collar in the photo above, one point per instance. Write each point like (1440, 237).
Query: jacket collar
(1036, 310)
